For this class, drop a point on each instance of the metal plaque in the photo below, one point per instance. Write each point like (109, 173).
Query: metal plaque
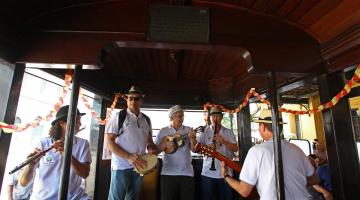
(178, 24)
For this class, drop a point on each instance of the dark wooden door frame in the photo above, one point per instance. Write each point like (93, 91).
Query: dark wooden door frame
(10, 115)
(340, 140)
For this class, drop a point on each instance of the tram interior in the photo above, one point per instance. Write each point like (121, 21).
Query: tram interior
(187, 53)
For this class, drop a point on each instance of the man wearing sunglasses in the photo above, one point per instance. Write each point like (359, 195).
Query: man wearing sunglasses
(127, 143)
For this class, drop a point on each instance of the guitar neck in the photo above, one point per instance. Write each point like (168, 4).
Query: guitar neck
(233, 165)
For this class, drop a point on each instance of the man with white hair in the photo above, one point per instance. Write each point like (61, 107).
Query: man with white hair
(259, 168)
(177, 174)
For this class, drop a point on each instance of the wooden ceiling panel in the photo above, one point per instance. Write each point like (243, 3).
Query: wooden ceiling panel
(318, 11)
(260, 5)
(273, 6)
(287, 8)
(196, 68)
(200, 67)
(337, 20)
(281, 35)
(163, 66)
(302, 9)
(247, 3)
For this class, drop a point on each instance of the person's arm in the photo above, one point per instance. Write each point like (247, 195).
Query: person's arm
(151, 147)
(326, 194)
(10, 190)
(27, 175)
(133, 159)
(81, 169)
(232, 146)
(192, 138)
(312, 180)
(161, 147)
(241, 187)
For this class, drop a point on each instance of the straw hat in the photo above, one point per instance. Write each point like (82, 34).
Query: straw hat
(265, 117)
(216, 111)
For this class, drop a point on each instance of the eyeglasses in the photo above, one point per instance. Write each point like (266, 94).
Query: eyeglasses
(134, 98)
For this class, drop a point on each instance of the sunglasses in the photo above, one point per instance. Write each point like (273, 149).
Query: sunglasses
(134, 98)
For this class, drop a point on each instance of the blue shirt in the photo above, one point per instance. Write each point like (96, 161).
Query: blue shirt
(323, 172)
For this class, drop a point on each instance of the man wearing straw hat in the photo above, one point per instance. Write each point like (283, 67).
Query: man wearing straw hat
(127, 144)
(222, 140)
(259, 168)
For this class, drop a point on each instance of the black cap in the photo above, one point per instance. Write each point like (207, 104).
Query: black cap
(63, 113)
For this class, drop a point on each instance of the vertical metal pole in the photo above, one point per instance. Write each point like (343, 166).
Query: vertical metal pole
(70, 131)
(102, 185)
(231, 117)
(10, 114)
(276, 138)
(244, 132)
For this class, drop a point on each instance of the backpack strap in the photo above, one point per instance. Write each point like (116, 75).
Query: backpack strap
(148, 122)
(121, 119)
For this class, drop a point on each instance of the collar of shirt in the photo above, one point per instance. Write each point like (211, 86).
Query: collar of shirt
(213, 127)
(133, 115)
(173, 131)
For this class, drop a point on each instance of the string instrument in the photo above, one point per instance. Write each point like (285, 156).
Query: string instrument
(233, 165)
(199, 129)
(173, 142)
(210, 152)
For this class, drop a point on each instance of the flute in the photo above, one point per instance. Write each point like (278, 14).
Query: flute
(26, 162)
(212, 167)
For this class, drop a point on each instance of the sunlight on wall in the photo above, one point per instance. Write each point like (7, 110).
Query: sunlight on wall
(306, 122)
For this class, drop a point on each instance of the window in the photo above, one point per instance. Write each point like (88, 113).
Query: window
(39, 92)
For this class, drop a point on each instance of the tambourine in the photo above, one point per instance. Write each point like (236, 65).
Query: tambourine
(152, 162)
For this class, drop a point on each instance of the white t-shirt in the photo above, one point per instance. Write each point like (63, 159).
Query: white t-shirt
(19, 192)
(179, 162)
(207, 138)
(259, 170)
(133, 137)
(48, 172)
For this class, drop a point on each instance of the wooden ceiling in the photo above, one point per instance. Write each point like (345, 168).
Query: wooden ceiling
(294, 37)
